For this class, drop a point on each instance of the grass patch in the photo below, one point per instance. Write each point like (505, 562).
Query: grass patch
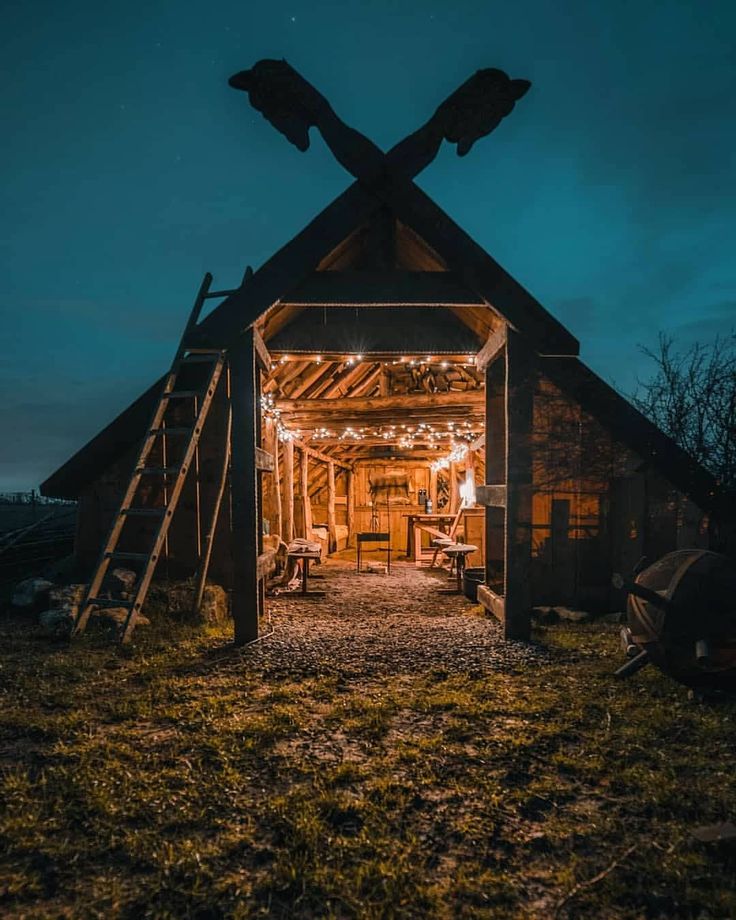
(173, 780)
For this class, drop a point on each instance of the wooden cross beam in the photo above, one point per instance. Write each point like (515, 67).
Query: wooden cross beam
(293, 106)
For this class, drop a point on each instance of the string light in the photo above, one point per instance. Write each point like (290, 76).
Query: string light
(465, 361)
(457, 453)
(269, 410)
(459, 434)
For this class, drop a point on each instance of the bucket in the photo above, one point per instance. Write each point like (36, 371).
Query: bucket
(471, 579)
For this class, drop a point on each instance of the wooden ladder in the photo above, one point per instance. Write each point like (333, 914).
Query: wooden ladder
(170, 478)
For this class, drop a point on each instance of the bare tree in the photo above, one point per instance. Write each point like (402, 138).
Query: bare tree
(691, 396)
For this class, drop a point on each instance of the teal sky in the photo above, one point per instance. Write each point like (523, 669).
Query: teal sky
(129, 168)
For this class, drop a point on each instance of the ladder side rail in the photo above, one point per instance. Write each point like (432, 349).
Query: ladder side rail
(194, 314)
(209, 539)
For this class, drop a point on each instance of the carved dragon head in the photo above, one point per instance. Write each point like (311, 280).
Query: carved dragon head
(293, 106)
(283, 97)
(477, 107)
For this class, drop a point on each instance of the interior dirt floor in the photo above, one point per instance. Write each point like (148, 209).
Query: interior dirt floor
(368, 624)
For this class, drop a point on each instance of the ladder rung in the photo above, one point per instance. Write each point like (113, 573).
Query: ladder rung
(208, 357)
(204, 350)
(144, 512)
(220, 293)
(172, 430)
(108, 602)
(160, 470)
(181, 394)
(141, 557)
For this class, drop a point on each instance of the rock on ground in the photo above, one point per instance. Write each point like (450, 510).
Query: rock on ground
(31, 594)
(178, 598)
(122, 581)
(56, 622)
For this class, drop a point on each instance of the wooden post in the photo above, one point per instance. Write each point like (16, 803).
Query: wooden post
(332, 532)
(306, 501)
(454, 490)
(520, 378)
(244, 488)
(350, 507)
(433, 489)
(495, 448)
(287, 505)
(271, 493)
(470, 467)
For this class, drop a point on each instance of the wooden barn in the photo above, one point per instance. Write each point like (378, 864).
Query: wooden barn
(381, 373)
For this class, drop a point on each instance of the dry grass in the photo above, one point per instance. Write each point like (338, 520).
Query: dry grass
(176, 780)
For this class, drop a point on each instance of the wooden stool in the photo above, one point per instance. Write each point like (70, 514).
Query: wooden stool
(459, 552)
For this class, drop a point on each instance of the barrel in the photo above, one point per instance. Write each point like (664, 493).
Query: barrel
(681, 611)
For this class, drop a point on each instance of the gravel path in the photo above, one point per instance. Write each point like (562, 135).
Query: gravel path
(372, 625)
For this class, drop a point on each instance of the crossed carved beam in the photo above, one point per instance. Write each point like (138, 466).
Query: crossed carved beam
(471, 112)
(293, 106)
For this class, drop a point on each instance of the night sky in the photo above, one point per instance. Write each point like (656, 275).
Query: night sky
(130, 168)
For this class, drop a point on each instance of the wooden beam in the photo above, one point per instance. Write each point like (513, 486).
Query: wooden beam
(368, 382)
(492, 602)
(495, 466)
(305, 421)
(492, 349)
(454, 490)
(262, 356)
(317, 454)
(520, 382)
(350, 507)
(287, 502)
(384, 384)
(272, 489)
(479, 443)
(342, 381)
(306, 501)
(331, 520)
(411, 401)
(245, 385)
(264, 461)
(382, 288)
(283, 374)
(492, 496)
(310, 376)
(395, 358)
(433, 488)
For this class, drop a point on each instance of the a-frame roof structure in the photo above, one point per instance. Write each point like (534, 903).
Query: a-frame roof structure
(471, 285)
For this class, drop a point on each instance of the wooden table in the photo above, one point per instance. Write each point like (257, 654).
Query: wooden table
(370, 536)
(305, 557)
(415, 524)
